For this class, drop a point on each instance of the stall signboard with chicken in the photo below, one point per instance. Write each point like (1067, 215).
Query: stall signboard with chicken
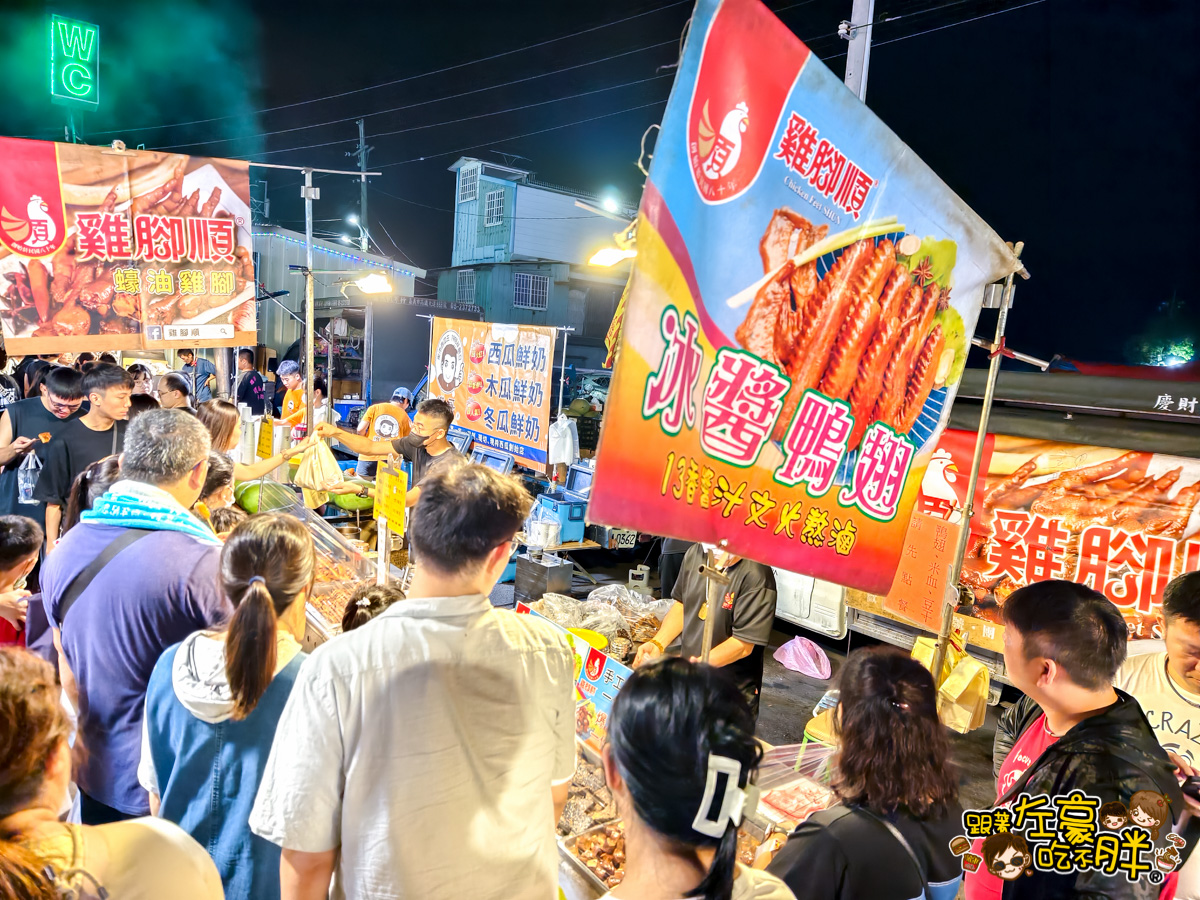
(497, 378)
(122, 250)
(798, 316)
(1122, 523)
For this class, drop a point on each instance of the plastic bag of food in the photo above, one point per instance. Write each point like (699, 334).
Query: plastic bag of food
(643, 615)
(27, 478)
(604, 619)
(318, 471)
(560, 609)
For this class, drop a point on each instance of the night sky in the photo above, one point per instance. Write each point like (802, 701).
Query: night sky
(1068, 124)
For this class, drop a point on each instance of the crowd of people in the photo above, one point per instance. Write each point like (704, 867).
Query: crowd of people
(164, 733)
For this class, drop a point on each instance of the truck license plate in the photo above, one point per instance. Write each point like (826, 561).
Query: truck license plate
(626, 540)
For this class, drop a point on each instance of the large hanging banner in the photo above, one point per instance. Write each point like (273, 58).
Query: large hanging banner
(798, 318)
(497, 378)
(1122, 523)
(122, 250)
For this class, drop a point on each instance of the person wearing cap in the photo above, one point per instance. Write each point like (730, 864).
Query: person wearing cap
(384, 422)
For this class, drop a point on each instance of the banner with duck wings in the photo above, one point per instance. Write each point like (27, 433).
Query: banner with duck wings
(798, 317)
(120, 250)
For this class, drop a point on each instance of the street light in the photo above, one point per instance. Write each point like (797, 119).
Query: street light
(610, 256)
(345, 239)
(610, 204)
(375, 283)
(352, 219)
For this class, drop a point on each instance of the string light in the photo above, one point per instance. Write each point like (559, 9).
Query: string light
(340, 255)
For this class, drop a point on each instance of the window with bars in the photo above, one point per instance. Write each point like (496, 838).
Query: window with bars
(495, 208)
(530, 291)
(466, 286)
(468, 184)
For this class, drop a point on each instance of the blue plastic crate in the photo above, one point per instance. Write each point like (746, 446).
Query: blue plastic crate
(569, 512)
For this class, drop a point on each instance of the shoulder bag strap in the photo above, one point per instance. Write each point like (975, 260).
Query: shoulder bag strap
(80, 582)
(916, 861)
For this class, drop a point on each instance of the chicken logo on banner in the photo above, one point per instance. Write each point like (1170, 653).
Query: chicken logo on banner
(36, 231)
(32, 219)
(721, 150)
(737, 102)
(939, 494)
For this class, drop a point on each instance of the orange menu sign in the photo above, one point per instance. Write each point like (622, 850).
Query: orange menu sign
(919, 589)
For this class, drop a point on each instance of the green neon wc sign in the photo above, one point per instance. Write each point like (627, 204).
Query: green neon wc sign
(74, 62)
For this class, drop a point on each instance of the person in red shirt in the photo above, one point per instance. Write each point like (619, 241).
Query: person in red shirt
(1073, 731)
(20, 543)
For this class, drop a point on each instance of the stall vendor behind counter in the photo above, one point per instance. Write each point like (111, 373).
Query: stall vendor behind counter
(741, 629)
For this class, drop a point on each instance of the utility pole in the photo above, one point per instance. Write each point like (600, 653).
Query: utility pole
(858, 33)
(361, 153)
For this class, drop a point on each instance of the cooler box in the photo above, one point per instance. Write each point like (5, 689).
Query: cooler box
(810, 603)
(569, 510)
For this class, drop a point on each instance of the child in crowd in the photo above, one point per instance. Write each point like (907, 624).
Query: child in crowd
(368, 602)
(225, 519)
(20, 544)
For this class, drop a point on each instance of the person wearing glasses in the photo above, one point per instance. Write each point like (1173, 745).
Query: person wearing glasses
(95, 435)
(31, 427)
(425, 446)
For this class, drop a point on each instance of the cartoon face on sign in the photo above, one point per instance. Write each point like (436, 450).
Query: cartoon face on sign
(449, 361)
(1149, 810)
(1113, 816)
(1006, 855)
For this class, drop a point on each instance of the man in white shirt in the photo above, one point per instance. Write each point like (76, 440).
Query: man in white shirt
(428, 755)
(1167, 683)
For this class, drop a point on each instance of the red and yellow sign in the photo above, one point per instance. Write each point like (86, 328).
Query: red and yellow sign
(107, 250)
(798, 315)
(1122, 523)
(497, 378)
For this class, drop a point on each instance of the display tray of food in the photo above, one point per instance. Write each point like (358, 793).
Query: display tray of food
(599, 854)
(589, 801)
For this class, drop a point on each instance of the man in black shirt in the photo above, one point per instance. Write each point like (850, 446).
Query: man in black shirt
(24, 425)
(741, 629)
(250, 387)
(425, 446)
(94, 436)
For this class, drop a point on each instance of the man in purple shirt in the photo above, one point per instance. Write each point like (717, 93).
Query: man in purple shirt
(159, 587)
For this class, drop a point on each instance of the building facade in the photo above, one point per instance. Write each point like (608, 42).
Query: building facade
(521, 251)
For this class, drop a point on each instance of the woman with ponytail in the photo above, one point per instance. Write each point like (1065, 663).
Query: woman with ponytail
(680, 757)
(215, 699)
(889, 837)
(44, 858)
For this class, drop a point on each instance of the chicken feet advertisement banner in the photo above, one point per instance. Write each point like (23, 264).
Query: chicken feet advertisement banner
(122, 250)
(497, 378)
(798, 317)
(1122, 523)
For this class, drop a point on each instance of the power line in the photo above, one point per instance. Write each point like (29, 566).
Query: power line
(491, 87)
(407, 78)
(461, 119)
(514, 137)
(481, 215)
(963, 22)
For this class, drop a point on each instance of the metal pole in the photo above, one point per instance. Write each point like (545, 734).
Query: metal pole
(858, 59)
(562, 381)
(362, 206)
(329, 366)
(383, 551)
(710, 561)
(964, 534)
(368, 354)
(310, 193)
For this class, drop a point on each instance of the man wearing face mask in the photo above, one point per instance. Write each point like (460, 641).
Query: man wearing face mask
(425, 447)
(741, 629)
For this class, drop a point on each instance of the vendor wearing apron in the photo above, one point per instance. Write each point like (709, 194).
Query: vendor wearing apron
(741, 629)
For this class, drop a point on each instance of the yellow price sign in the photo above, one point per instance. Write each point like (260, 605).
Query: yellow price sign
(266, 438)
(391, 488)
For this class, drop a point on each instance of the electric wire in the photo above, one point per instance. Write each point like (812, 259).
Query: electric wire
(407, 78)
